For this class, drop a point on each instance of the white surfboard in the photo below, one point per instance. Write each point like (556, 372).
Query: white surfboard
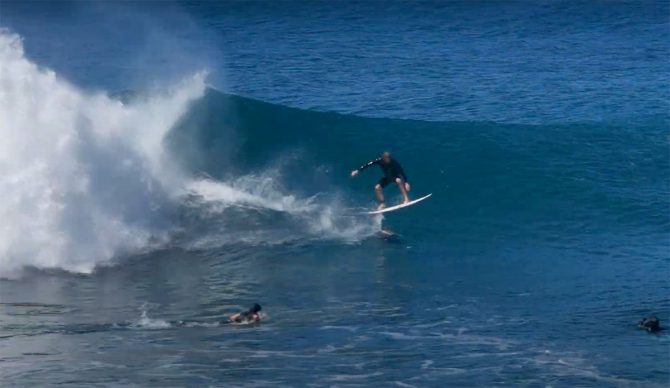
(402, 205)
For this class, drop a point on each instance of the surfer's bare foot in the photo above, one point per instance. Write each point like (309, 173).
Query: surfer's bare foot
(405, 201)
(381, 206)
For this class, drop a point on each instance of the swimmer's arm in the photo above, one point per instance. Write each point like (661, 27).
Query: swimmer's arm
(234, 317)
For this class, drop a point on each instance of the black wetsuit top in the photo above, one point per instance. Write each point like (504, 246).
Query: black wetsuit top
(391, 170)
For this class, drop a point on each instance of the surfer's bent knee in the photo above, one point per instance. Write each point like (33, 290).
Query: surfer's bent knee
(378, 187)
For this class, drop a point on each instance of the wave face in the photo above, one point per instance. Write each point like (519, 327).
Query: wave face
(87, 177)
(550, 182)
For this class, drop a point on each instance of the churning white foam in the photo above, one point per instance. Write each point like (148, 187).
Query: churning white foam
(82, 176)
(317, 218)
(85, 177)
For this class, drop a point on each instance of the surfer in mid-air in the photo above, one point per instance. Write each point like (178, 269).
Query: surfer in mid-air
(393, 172)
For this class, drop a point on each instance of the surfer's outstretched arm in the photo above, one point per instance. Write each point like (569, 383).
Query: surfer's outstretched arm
(366, 165)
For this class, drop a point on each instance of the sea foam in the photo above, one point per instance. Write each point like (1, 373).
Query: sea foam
(83, 176)
(86, 177)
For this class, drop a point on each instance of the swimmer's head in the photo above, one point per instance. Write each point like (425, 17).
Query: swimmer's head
(255, 308)
(651, 324)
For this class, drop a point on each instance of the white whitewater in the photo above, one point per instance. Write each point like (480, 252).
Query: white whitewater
(82, 175)
(85, 177)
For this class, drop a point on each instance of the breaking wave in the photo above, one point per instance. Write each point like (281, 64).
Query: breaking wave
(86, 177)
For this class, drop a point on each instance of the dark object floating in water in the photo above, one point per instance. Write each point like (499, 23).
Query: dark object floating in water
(650, 324)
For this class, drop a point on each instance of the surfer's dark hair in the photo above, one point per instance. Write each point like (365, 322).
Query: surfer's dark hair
(255, 308)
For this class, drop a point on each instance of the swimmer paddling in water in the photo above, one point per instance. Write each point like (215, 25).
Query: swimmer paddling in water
(250, 316)
(393, 172)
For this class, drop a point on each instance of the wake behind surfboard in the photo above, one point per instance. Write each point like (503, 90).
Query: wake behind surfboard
(402, 205)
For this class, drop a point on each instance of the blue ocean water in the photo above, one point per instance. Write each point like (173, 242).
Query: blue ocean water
(165, 165)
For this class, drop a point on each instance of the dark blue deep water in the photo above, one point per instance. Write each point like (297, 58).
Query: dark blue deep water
(163, 165)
